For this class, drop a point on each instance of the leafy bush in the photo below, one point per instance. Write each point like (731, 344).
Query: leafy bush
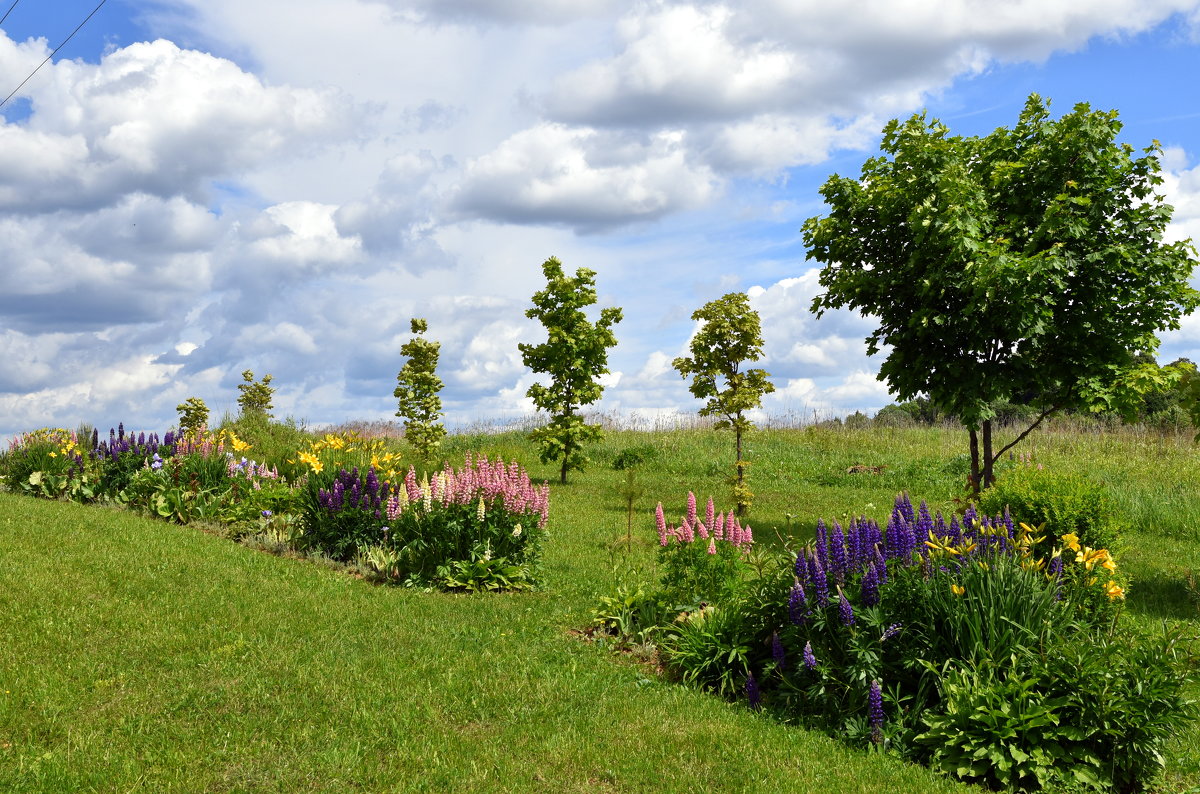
(484, 512)
(711, 648)
(48, 463)
(894, 416)
(703, 561)
(1063, 501)
(1087, 710)
(996, 726)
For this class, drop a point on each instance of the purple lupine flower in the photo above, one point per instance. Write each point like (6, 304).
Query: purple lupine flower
(777, 651)
(854, 545)
(797, 604)
(955, 535)
(753, 695)
(822, 542)
(837, 553)
(266, 514)
(875, 711)
(810, 660)
(892, 537)
(880, 567)
(1055, 569)
(801, 566)
(870, 586)
(906, 507)
(845, 611)
(891, 631)
(156, 462)
(816, 574)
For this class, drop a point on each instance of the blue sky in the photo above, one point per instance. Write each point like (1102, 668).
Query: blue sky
(192, 189)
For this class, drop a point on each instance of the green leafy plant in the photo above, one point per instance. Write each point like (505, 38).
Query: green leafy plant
(711, 647)
(574, 355)
(730, 335)
(996, 726)
(417, 391)
(632, 614)
(484, 573)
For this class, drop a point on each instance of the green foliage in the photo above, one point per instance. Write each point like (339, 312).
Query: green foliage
(632, 614)
(1026, 262)
(1095, 711)
(730, 335)
(255, 398)
(574, 355)
(417, 392)
(1002, 609)
(711, 647)
(484, 573)
(1062, 501)
(998, 728)
(193, 416)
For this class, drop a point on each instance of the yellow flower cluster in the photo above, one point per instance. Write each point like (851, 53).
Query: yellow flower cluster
(1089, 558)
(348, 449)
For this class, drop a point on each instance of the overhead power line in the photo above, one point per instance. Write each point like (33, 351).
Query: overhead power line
(51, 55)
(9, 11)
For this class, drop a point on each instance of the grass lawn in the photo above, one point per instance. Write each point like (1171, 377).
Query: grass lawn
(142, 656)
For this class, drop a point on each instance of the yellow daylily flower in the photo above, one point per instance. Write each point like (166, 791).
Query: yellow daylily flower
(1113, 590)
(1071, 541)
(957, 589)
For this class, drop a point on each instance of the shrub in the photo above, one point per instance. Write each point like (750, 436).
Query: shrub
(49, 463)
(486, 512)
(894, 416)
(1062, 501)
(121, 456)
(1090, 710)
(703, 561)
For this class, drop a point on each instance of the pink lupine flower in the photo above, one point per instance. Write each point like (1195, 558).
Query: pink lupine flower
(701, 530)
(719, 532)
(712, 546)
(691, 509)
(709, 513)
(660, 523)
(748, 536)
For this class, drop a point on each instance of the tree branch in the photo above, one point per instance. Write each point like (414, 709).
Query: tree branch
(1026, 432)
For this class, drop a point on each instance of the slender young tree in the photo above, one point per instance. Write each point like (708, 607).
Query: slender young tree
(574, 355)
(255, 399)
(1026, 263)
(730, 335)
(417, 391)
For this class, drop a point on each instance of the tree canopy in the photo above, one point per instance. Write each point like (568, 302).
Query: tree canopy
(1026, 264)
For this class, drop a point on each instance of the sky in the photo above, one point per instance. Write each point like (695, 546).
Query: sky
(192, 189)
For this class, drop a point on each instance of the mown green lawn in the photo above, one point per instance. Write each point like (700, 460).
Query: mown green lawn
(141, 656)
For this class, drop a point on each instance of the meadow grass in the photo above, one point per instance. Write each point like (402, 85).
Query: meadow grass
(142, 656)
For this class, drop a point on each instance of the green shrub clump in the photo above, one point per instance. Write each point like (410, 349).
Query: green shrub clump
(1064, 502)
(475, 528)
